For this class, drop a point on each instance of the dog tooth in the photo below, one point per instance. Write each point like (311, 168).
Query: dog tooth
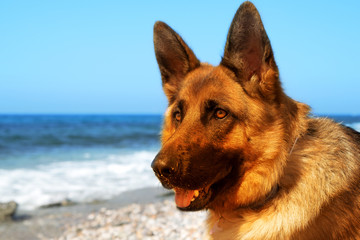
(196, 193)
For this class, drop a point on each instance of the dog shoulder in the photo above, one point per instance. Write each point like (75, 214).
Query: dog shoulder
(331, 141)
(319, 194)
(324, 170)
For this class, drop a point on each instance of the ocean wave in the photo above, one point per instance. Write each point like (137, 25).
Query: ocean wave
(79, 181)
(25, 133)
(356, 126)
(16, 141)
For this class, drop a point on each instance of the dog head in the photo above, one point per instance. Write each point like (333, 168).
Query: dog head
(226, 126)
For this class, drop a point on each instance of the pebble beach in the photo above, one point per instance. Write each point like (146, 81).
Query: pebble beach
(148, 221)
(142, 214)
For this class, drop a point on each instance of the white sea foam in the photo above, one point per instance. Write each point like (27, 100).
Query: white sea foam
(80, 181)
(356, 126)
(92, 177)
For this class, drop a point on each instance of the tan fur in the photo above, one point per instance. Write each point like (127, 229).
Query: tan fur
(312, 202)
(267, 170)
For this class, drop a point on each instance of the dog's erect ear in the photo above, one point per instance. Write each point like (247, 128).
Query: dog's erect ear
(249, 55)
(174, 57)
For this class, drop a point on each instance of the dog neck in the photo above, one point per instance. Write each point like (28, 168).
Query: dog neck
(271, 194)
(224, 219)
(261, 203)
(256, 206)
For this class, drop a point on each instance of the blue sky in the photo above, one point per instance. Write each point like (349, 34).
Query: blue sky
(97, 56)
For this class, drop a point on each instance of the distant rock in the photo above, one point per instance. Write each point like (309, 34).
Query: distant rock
(7, 210)
(63, 203)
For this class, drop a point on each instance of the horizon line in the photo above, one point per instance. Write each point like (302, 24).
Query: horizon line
(146, 113)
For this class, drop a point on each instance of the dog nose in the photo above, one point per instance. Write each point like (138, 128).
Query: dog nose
(162, 167)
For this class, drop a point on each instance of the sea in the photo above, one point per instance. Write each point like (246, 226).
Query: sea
(46, 159)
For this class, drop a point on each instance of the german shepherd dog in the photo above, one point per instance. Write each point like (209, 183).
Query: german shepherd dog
(235, 144)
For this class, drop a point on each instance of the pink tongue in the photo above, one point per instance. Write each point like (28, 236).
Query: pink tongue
(183, 197)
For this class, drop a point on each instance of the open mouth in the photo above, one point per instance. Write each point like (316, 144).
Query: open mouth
(192, 200)
(183, 198)
(194, 197)
(198, 199)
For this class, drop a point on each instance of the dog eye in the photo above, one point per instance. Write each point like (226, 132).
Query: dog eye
(177, 116)
(220, 113)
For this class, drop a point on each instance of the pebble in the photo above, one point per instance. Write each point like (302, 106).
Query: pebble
(153, 221)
